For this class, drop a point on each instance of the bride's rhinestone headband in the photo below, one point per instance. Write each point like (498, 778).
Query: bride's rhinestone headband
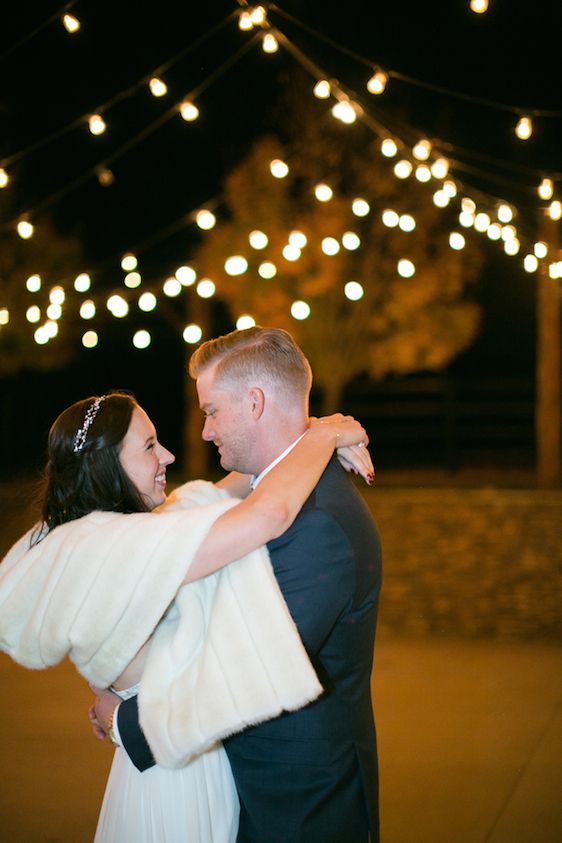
(82, 433)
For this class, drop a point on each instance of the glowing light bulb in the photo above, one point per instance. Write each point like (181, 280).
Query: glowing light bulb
(505, 213)
(33, 283)
(402, 169)
(511, 247)
(186, 275)
(267, 270)
(157, 87)
(245, 321)
(258, 240)
(468, 205)
(291, 252)
(87, 309)
(406, 268)
(322, 89)
(278, 169)
(540, 249)
(132, 280)
(71, 23)
(41, 335)
(509, 232)
(258, 16)
(450, 188)
(97, 124)
(524, 128)
(323, 192)
(353, 291)
(545, 189)
(390, 218)
(494, 231)
(206, 288)
(456, 240)
(350, 241)
(129, 262)
(4, 178)
(466, 219)
(423, 173)
(24, 229)
(192, 334)
(345, 111)
(330, 246)
(117, 306)
(189, 111)
(51, 328)
(530, 263)
(90, 339)
(235, 265)
(54, 311)
(441, 199)
(147, 302)
(172, 287)
(245, 24)
(300, 310)
(440, 168)
(33, 313)
(407, 222)
(57, 295)
(555, 270)
(298, 239)
(479, 6)
(4, 315)
(105, 176)
(205, 219)
(141, 339)
(422, 150)
(389, 148)
(82, 282)
(360, 207)
(555, 210)
(481, 222)
(377, 82)
(270, 43)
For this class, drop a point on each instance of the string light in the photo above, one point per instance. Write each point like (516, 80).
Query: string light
(479, 6)
(494, 231)
(555, 210)
(345, 111)
(481, 222)
(57, 295)
(129, 262)
(87, 309)
(24, 229)
(406, 268)
(33, 314)
(41, 335)
(245, 24)
(530, 263)
(300, 310)
(423, 173)
(377, 82)
(545, 189)
(509, 232)
(298, 239)
(456, 240)
(4, 315)
(390, 218)
(158, 88)
(186, 275)
(353, 291)
(407, 222)
(4, 178)
(245, 321)
(360, 207)
(330, 246)
(147, 302)
(270, 43)
(403, 169)
(258, 16)
(90, 339)
(33, 283)
(236, 265)
(540, 249)
(71, 23)
(441, 199)
(82, 282)
(291, 252)
(132, 280)
(189, 111)
(141, 339)
(258, 240)
(192, 334)
(555, 270)
(97, 124)
(466, 219)
(54, 311)
(389, 148)
(422, 150)
(524, 128)
(117, 306)
(511, 247)
(171, 287)
(278, 168)
(505, 213)
(267, 270)
(450, 188)
(322, 89)
(206, 288)
(440, 168)
(323, 192)
(350, 241)
(205, 219)
(105, 176)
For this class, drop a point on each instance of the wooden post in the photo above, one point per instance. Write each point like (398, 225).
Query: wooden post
(547, 413)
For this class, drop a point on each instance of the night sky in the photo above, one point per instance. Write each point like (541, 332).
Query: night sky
(510, 56)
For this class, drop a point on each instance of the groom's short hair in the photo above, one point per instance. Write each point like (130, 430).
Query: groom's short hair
(254, 354)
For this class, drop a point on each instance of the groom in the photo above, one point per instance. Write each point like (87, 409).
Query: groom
(309, 776)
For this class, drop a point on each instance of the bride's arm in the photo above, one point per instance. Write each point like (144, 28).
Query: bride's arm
(237, 485)
(273, 506)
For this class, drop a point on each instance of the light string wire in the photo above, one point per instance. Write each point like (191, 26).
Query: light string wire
(371, 64)
(55, 16)
(120, 96)
(138, 138)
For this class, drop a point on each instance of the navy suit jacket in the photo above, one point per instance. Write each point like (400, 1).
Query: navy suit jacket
(310, 776)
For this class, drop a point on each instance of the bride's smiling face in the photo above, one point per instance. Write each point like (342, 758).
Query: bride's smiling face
(144, 459)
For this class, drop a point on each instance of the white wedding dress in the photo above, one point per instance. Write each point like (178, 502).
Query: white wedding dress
(196, 804)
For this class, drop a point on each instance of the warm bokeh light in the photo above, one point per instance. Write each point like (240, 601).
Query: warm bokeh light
(25, 229)
(494, 231)
(33, 313)
(90, 339)
(423, 173)
(441, 199)
(267, 270)
(291, 252)
(509, 232)
(406, 268)
(132, 280)
(205, 219)
(466, 219)
(147, 302)
(345, 111)
(4, 315)
(54, 312)
(172, 287)
(258, 240)
(350, 241)
(105, 176)
(141, 339)
(4, 178)
(377, 83)
(481, 222)
(206, 288)
(390, 218)
(540, 249)
(545, 189)
(270, 43)
(456, 240)
(407, 222)
(505, 213)
(71, 23)
(450, 188)
(245, 24)
(511, 247)
(235, 265)
(530, 263)
(157, 87)
(479, 6)
(97, 124)
(300, 310)
(258, 16)
(82, 282)
(468, 205)
(192, 334)
(41, 335)
(189, 111)
(57, 295)
(245, 321)
(279, 169)
(118, 306)
(555, 210)
(422, 150)
(330, 246)
(360, 207)
(88, 309)
(186, 275)
(403, 169)
(353, 291)
(524, 128)
(129, 262)
(322, 89)
(323, 192)
(298, 239)
(440, 168)
(389, 148)
(33, 283)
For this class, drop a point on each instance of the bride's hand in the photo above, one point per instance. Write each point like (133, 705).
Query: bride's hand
(352, 439)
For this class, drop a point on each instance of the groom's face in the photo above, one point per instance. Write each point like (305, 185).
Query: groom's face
(228, 422)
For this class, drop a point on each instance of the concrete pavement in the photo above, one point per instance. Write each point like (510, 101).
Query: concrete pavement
(470, 746)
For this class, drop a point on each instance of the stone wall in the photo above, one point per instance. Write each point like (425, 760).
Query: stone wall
(471, 562)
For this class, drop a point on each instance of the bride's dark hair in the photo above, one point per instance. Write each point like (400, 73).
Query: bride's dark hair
(83, 473)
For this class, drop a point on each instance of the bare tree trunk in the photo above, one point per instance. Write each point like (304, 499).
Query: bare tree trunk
(547, 413)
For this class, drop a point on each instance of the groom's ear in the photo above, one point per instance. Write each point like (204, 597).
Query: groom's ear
(257, 401)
